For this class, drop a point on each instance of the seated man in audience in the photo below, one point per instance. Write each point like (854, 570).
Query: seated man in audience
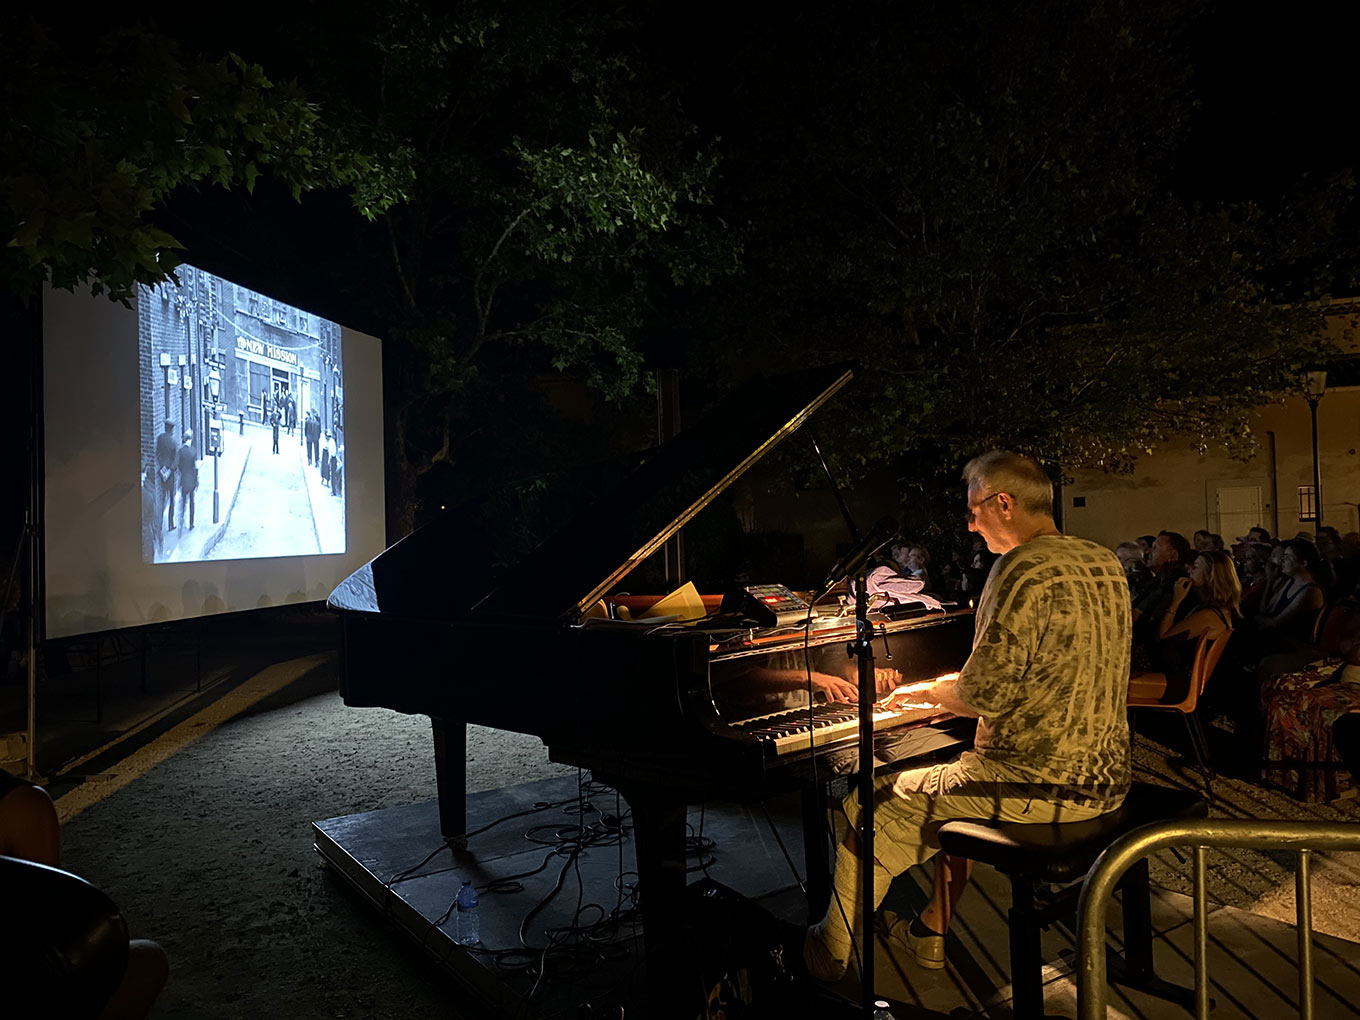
(1170, 561)
(1200, 540)
(1136, 572)
(29, 831)
(1127, 551)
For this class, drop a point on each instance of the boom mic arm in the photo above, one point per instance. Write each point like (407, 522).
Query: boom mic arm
(851, 563)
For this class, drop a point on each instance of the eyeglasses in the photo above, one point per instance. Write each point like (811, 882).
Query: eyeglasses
(973, 508)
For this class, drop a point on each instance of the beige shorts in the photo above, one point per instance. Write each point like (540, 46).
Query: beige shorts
(910, 807)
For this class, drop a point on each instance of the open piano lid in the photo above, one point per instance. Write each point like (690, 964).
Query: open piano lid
(570, 571)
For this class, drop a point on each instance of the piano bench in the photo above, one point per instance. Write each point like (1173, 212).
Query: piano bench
(1031, 855)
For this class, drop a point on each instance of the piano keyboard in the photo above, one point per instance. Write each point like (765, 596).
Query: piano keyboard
(794, 729)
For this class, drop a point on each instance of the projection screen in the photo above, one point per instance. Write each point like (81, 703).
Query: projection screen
(209, 450)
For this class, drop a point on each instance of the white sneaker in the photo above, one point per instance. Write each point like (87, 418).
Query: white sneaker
(926, 950)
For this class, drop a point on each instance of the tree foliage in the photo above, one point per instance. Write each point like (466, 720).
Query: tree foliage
(522, 198)
(552, 197)
(984, 206)
(99, 132)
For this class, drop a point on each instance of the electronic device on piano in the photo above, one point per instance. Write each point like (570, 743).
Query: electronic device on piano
(768, 605)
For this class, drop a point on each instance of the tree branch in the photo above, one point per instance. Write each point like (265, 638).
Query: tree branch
(484, 309)
(409, 297)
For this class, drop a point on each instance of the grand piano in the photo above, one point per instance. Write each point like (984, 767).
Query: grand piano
(667, 712)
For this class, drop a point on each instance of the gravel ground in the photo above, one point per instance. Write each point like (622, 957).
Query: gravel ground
(210, 853)
(1260, 881)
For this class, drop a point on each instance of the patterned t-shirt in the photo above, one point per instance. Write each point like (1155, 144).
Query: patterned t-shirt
(1049, 671)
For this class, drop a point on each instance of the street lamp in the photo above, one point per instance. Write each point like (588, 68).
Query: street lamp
(1314, 386)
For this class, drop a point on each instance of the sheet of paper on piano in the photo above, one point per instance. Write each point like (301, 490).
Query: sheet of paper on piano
(683, 604)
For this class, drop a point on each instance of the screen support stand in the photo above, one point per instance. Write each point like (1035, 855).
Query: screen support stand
(27, 549)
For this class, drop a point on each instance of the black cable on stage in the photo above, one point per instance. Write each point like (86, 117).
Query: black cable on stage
(787, 857)
(582, 947)
(403, 875)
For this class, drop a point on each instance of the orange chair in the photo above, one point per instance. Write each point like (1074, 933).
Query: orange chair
(1152, 690)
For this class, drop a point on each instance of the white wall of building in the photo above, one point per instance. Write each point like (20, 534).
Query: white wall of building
(1178, 489)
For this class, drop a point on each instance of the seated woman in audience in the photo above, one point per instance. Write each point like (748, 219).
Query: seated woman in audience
(1213, 579)
(1287, 614)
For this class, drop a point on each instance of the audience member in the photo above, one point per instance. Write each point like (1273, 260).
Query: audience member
(1287, 613)
(1139, 576)
(1337, 572)
(949, 577)
(1145, 543)
(1215, 543)
(1168, 559)
(915, 564)
(29, 831)
(1260, 573)
(1127, 551)
(1200, 540)
(1212, 585)
(1218, 599)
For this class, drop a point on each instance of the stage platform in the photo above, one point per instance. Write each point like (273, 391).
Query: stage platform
(565, 932)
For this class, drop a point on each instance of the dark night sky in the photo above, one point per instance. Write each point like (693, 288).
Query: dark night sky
(1279, 91)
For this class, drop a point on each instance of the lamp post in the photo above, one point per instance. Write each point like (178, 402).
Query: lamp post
(1314, 386)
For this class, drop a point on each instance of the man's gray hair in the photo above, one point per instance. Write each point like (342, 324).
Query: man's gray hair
(1014, 473)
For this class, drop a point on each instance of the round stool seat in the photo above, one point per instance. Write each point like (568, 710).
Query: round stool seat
(1064, 851)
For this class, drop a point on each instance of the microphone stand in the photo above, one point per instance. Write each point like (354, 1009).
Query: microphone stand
(862, 648)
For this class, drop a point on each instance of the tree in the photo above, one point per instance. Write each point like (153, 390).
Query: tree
(551, 199)
(981, 206)
(517, 196)
(98, 133)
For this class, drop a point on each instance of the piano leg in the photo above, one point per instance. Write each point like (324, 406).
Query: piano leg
(659, 829)
(450, 773)
(815, 856)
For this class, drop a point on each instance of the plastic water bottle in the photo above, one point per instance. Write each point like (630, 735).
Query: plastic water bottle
(881, 1011)
(469, 923)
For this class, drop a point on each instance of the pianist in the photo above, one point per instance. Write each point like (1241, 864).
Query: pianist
(1047, 679)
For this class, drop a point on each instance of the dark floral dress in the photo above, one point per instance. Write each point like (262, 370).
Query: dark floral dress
(1298, 716)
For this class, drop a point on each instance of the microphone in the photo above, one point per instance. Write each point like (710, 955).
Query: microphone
(852, 561)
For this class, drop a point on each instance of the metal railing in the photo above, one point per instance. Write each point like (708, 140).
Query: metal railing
(1200, 834)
